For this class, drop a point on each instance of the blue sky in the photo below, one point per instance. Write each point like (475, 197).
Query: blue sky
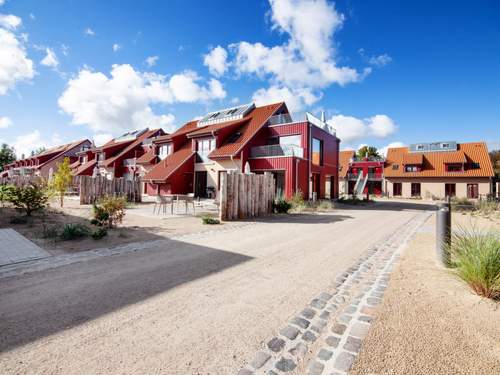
(385, 73)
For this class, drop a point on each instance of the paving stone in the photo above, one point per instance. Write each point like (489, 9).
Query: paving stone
(290, 332)
(260, 359)
(320, 323)
(276, 344)
(308, 313)
(356, 302)
(315, 368)
(373, 301)
(332, 307)
(309, 336)
(381, 288)
(325, 315)
(344, 318)
(339, 329)
(377, 294)
(245, 371)
(325, 355)
(301, 322)
(271, 372)
(325, 296)
(318, 303)
(365, 318)
(359, 330)
(344, 361)
(333, 341)
(339, 299)
(350, 309)
(353, 344)
(316, 329)
(368, 310)
(285, 364)
(299, 350)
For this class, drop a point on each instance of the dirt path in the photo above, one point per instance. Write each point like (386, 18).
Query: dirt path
(429, 322)
(201, 305)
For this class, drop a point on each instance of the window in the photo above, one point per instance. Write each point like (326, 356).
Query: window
(472, 191)
(234, 137)
(445, 145)
(474, 166)
(204, 147)
(449, 190)
(395, 167)
(411, 168)
(454, 168)
(397, 189)
(165, 150)
(420, 147)
(415, 189)
(290, 140)
(317, 151)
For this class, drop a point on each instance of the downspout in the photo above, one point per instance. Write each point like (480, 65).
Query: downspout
(309, 176)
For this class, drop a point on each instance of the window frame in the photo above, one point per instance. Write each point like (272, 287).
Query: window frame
(416, 192)
(321, 146)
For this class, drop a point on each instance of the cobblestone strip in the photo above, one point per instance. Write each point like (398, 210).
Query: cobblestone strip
(326, 336)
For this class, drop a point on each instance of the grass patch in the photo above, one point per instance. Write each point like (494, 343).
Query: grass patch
(209, 220)
(73, 231)
(476, 259)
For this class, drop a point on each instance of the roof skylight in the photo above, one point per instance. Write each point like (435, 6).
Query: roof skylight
(228, 114)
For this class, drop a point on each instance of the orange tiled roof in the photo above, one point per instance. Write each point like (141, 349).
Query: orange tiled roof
(433, 163)
(163, 170)
(344, 158)
(256, 119)
(413, 158)
(131, 146)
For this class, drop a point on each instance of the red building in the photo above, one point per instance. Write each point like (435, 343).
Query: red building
(366, 173)
(302, 155)
(45, 163)
(118, 157)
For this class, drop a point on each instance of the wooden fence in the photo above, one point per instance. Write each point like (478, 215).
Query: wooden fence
(93, 188)
(21, 181)
(246, 195)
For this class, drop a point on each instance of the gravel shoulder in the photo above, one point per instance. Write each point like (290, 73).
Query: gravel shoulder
(430, 322)
(201, 304)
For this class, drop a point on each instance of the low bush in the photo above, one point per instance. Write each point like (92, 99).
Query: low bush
(73, 231)
(476, 259)
(281, 206)
(209, 220)
(99, 233)
(109, 211)
(29, 198)
(325, 205)
(487, 207)
(6, 192)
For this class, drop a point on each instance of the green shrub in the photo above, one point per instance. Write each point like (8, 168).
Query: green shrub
(487, 207)
(29, 198)
(99, 233)
(73, 231)
(109, 211)
(476, 258)
(281, 206)
(325, 205)
(6, 192)
(210, 220)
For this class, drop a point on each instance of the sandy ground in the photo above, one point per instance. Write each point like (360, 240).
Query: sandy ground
(202, 305)
(429, 321)
(139, 224)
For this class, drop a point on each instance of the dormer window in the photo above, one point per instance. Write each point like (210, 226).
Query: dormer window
(454, 168)
(395, 167)
(420, 147)
(411, 168)
(164, 151)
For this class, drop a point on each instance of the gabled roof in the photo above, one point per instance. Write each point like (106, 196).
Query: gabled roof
(147, 158)
(164, 169)
(344, 159)
(131, 146)
(434, 163)
(56, 152)
(85, 167)
(255, 120)
(207, 130)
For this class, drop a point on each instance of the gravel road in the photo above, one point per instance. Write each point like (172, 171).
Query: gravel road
(203, 304)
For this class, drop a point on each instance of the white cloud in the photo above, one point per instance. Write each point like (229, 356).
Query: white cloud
(14, 62)
(5, 122)
(123, 101)
(216, 61)
(381, 60)
(116, 47)
(296, 99)
(383, 150)
(235, 100)
(100, 139)
(64, 49)
(26, 143)
(32, 16)
(350, 128)
(2, 2)
(151, 60)
(89, 31)
(50, 59)
(9, 21)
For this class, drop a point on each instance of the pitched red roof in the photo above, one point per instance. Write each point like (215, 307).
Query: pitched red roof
(206, 130)
(131, 146)
(147, 158)
(164, 169)
(255, 120)
(57, 152)
(433, 164)
(85, 167)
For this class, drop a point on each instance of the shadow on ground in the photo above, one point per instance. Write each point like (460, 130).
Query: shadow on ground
(389, 206)
(41, 304)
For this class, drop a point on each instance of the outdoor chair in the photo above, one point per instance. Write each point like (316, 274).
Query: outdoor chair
(187, 199)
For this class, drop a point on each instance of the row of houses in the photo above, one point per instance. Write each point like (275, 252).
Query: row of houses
(425, 170)
(302, 155)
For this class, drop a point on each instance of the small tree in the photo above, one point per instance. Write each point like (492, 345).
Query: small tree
(62, 179)
(6, 192)
(367, 151)
(29, 198)
(7, 155)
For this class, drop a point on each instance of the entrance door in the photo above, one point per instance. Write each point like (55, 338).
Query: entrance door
(200, 184)
(279, 178)
(316, 184)
(449, 190)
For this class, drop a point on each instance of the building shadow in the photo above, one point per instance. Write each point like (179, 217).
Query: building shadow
(389, 206)
(303, 218)
(43, 303)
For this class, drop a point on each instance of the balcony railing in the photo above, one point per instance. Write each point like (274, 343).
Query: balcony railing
(280, 119)
(369, 158)
(352, 176)
(276, 150)
(374, 176)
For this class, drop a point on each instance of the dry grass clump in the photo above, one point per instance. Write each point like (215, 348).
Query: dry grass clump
(476, 259)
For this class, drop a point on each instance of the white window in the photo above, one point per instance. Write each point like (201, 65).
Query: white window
(165, 150)
(292, 140)
(203, 148)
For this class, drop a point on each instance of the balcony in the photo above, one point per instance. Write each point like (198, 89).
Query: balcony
(371, 176)
(368, 159)
(280, 119)
(352, 176)
(276, 150)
